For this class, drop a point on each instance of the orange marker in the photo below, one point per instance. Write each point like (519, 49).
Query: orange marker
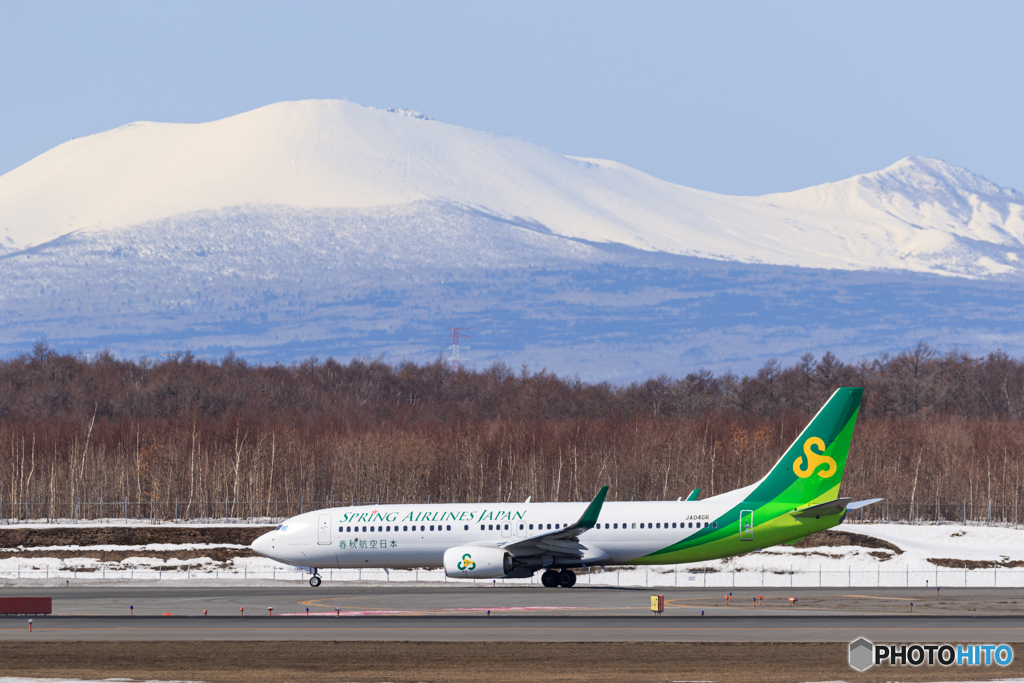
(30, 626)
(241, 611)
(270, 611)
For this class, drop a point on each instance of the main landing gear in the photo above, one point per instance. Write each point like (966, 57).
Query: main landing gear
(563, 579)
(314, 580)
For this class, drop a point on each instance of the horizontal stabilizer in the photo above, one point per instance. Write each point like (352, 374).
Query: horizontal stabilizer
(863, 503)
(832, 507)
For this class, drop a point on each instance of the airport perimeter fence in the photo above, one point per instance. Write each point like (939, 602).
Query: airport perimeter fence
(623, 577)
(155, 511)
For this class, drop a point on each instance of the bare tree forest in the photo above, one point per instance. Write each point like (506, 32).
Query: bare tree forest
(260, 440)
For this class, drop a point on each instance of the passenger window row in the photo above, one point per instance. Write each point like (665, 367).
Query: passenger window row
(660, 525)
(483, 527)
(491, 527)
(350, 529)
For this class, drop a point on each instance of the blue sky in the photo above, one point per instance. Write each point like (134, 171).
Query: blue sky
(740, 98)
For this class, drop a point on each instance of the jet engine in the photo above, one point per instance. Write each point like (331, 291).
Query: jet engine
(477, 562)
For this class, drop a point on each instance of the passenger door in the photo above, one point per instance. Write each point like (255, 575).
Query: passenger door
(323, 534)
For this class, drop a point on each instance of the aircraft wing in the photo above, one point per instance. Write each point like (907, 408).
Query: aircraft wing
(564, 542)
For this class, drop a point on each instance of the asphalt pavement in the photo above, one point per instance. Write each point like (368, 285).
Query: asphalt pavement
(517, 613)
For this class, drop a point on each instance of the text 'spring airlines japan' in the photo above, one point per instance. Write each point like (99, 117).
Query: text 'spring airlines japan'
(798, 497)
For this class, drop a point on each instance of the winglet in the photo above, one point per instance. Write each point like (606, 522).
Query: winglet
(589, 518)
(693, 494)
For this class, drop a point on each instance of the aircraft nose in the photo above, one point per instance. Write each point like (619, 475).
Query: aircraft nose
(261, 546)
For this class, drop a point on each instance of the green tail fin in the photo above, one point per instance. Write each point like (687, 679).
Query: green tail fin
(812, 468)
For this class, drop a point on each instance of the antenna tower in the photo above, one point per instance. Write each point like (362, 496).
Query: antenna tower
(458, 333)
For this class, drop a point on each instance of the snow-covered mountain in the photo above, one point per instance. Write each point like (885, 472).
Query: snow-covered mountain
(328, 228)
(921, 215)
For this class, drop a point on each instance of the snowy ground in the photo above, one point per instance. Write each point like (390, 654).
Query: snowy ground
(980, 543)
(943, 555)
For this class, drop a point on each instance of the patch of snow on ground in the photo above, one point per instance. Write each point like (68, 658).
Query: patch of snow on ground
(985, 543)
(780, 566)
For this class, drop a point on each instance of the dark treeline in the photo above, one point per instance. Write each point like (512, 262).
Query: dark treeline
(75, 430)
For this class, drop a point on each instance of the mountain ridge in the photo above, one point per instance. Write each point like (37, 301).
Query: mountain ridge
(918, 214)
(322, 228)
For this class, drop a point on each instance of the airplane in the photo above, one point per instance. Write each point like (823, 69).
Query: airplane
(798, 497)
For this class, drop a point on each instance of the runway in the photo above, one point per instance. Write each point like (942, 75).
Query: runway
(525, 628)
(518, 614)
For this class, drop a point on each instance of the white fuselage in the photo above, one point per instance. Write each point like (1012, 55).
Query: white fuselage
(406, 536)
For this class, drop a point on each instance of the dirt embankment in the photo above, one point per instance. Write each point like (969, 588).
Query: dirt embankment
(139, 535)
(832, 539)
(974, 564)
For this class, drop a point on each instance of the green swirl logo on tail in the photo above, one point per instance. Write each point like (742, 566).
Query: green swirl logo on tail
(811, 460)
(467, 564)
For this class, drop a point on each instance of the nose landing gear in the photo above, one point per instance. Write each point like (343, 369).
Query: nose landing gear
(314, 580)
(562, 579)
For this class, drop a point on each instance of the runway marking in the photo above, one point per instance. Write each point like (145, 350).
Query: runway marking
(451, 610)
(886, 597)
(316, 602)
